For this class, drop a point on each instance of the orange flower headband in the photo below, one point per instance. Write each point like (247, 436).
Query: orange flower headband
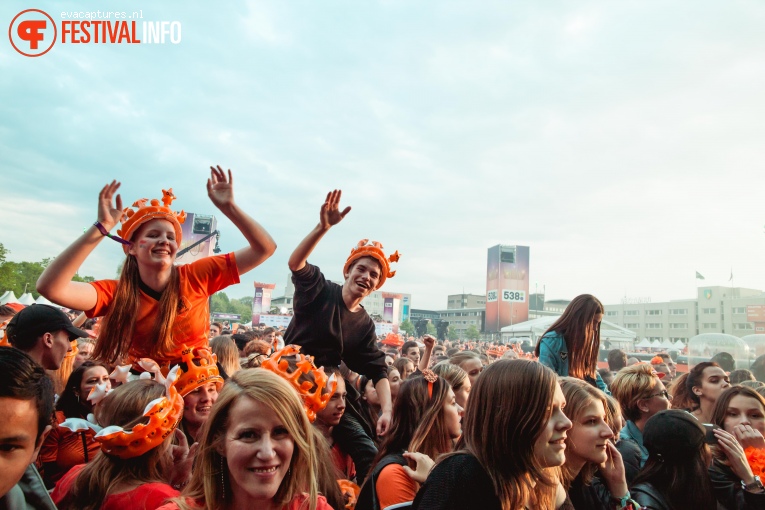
(657, 360)
(164, 414)
(375, 250)
(310, 391)
(431, 377)
(144, 213)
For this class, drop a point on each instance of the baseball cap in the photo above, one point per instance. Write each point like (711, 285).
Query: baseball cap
(673, 435)
(34, 320)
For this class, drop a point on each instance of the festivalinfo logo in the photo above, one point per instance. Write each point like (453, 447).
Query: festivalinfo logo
(33, 32)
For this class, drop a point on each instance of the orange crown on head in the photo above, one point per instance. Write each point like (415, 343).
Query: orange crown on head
(373, 249)
(200, 370)
(314, 400)
(143, 212)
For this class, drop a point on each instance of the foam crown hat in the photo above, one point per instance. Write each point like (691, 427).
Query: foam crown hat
(201, 368)
(310, 391)
(134, 218)
(163, 415)
(373, 249)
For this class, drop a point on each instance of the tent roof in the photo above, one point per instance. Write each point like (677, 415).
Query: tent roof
(9, 297)
(644, 343)
(537, 327)
(26, 299)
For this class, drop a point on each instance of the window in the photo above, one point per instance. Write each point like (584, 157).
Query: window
(632, 312)
(653, 325)
(652, 338)
(681, 338)
(632, 326)
(678, 325)
(653, 312)
(739, 310)
(744, 325)
(612, 314)
(709, 310)
(678, 311)
(709, 325)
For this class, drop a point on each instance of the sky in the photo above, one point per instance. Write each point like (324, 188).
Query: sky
(621, 141)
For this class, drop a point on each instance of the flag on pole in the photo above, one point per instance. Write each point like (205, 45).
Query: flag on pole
(698, 276)
(731, 275)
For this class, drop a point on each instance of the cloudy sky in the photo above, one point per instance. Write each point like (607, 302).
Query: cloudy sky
(621, 141)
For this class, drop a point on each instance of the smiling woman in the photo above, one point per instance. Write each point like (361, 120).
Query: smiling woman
(162, 307)
(257, 450)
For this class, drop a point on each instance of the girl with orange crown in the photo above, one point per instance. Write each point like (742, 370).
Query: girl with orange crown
(155, 307)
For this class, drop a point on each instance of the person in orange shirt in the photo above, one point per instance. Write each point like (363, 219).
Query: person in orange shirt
(62, 448)
(426, 422)
(162, 307)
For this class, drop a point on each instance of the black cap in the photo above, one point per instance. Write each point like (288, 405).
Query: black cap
(673, 435)
(35, 320)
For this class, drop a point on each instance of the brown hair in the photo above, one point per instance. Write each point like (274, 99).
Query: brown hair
(116, 333)
(721, 406)
(695, 377)
(124, 407)
(579, 395)
(452, 373)
(268, 389)
(573, 325)
(507, 411)
(681, 395)
(226, 352)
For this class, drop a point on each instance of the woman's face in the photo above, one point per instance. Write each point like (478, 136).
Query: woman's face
(197, 404)
(463, 393)
(594, 326)
(90, 378)
(84, 352)
(453, 415)
(743, 410)
(657, 401)
(408, 369)
(258, 450)
(588, 438)
(394, 379)
(550, 446)
(473, 367)
(154, 243)
(370, 394)
(713, 382)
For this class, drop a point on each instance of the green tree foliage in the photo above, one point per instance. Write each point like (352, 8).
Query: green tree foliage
(452, 334)
(221, 303)
(407, 327)
(472, 333)
(18, 276)
(431, 329)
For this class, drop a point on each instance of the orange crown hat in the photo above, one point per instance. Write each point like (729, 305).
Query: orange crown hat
(310, 391)
(164, 414)
(657, 360)
(393, 340)
(144, 213)
(375, 250)
(200, 369)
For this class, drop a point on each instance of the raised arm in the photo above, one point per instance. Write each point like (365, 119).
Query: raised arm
(329, 215)
(430, 342)
(261, 244)
(55, 283)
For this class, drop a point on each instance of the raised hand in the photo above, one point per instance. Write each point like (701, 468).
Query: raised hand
(330, 210)
(747, 436)
(109, 215)
(735, 454)
(219, 189)
(423, 464)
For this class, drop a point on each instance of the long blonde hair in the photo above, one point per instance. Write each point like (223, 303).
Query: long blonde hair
(225, 349)
(271, 390)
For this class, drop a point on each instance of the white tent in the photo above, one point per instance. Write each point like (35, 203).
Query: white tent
(679, 345)
(26, 299)
(4, 294)
(42, 301)
(9, 297)
(667, 344)
(656, 344)
(644, 343)
(535, 328)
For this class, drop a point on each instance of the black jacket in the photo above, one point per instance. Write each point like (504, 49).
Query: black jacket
(728, 491)
(648, 497)
(354, 435)
(630, 452)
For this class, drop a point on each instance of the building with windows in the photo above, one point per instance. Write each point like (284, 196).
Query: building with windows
(466, 301)
(715, 310)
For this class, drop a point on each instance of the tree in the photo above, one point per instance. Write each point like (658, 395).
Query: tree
(407, 327)
(221, 303)
(430, 328)
(472, 333)
(452, 334)
(22, 277)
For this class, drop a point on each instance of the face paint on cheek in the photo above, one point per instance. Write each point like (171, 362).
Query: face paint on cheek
(142, 244)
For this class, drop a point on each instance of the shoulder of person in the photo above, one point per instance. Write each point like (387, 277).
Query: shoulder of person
(648, 496)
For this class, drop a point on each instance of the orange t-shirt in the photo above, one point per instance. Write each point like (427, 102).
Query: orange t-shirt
(297, 503)
(343, 462)
(394, 486)
(63, 449)
(198, 280)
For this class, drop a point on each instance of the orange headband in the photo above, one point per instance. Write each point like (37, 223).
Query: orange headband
(375, 250)
(311, 392)
(431, 377)
(144, 213)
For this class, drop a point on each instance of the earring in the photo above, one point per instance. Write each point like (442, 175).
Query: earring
(222, 480)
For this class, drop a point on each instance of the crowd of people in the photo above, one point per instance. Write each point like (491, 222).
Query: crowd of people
(135, 400)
